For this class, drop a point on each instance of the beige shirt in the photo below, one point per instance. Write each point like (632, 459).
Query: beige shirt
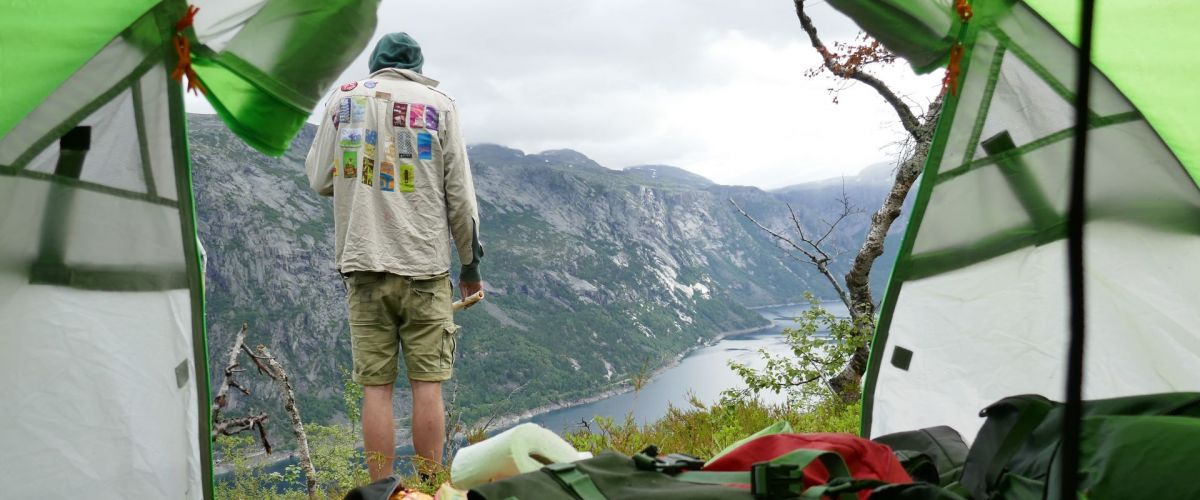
(390, 152)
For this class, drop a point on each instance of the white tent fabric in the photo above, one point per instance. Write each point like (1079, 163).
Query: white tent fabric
(980, 301)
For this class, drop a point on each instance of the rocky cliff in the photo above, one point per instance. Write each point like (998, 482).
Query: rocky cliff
(592, 273)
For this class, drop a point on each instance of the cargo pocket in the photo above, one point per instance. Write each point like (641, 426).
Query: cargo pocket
(429, 299)
(363, 297)
(449, 345)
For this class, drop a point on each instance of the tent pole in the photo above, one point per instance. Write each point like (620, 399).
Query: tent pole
(1076, 218)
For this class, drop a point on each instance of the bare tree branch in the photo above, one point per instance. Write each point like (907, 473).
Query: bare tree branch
(776, 234)
(907, 118)
(231, 367)
(289, 403)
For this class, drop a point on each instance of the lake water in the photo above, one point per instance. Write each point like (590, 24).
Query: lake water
(704, 372)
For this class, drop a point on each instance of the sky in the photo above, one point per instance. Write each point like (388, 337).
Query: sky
(717, 87)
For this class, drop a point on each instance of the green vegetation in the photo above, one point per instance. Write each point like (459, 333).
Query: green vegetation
(818, 344)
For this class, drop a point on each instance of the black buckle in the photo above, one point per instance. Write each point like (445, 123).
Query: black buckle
(672, 464)
(769, 480)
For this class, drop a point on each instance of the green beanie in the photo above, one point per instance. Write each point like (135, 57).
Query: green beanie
(397, 50)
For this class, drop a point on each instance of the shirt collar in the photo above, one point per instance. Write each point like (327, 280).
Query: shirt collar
(406, 74)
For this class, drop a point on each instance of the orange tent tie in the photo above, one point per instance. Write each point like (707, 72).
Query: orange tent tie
(963, 7)
(950, 81)
(183, 49)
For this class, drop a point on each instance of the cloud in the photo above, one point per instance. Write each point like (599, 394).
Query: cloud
(713, 86)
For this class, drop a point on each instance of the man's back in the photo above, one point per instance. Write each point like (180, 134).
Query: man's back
(390, 152)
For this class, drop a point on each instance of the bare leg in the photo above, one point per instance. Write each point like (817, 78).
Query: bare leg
(379, 430)
(429, 420)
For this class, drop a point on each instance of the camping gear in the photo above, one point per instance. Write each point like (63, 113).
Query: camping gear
(935, 455)
(611, 475)
(102, 352)
(1133, 447)
(524, 448)
(864, 459)
(977, 305)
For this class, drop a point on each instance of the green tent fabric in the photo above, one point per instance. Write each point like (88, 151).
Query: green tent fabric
(268, 78)
(977, 298)
(103, 348)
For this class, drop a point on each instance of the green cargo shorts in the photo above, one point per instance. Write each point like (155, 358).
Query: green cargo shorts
(390, 314)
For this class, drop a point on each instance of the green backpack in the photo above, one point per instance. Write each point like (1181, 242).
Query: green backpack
(614, 476)
(1132, 447)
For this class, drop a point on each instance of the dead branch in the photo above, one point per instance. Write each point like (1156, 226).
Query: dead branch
(816, 256)
(280, 376)
(231, 367)
(231, 426)
(852, 72)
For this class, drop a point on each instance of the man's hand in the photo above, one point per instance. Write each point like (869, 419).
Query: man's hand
(467, 288)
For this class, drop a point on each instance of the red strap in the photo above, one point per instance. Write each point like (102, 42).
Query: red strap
(183, 49)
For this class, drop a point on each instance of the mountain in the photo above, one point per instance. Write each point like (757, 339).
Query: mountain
(593, 274)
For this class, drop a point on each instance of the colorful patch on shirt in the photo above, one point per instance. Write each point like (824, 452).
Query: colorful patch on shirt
(358, 109)
(424, 146)
(391, 152)
(404, 138)
(349, 164)
(383, 95)
(407, 182)
(349, 86)
(369, 84)
(372, 138)
(350, 137)
(431, 118)
(400, 114)
(416, 116)
(343, 114)
(387, 176)
(368, 176)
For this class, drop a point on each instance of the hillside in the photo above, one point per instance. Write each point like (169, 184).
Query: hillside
(592, 273)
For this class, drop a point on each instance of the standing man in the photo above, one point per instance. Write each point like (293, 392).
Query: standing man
(390, 152)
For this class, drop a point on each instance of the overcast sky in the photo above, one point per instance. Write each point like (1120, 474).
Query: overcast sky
(713, 86)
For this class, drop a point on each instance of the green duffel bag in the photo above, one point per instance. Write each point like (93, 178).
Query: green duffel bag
(1132, 447)
(614, 476)
(933, 455)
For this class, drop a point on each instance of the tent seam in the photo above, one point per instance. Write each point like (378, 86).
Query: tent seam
(139, 119)
(985, 105)
(10, 171)
(78, 116)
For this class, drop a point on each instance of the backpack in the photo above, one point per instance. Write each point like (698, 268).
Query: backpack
(1132, 447)
(771, 466)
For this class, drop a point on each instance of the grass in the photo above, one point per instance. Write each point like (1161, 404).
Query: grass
(698, 429)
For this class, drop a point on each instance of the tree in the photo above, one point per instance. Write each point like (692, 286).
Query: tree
(848, 64)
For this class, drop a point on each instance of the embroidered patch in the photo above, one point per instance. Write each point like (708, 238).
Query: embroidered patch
(350, 138)
(368, 176)
(349, 164)
(372, 138)
(431, 118)
(404, 138)
(343, 111)
(391, 152)
(387, 176)
(333, 118)
(383, 95)
(406, 178)
(400, 114)
(416, 115)
(358, 109)
(349, 86)
(369, 84)
(424, 146)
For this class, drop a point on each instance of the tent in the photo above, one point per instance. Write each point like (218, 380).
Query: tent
(102, 339)
(977, 305)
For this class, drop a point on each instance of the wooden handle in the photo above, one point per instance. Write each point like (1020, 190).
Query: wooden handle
(469, 301)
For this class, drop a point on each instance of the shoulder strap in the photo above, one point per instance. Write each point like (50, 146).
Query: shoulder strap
(782, 476)
(575, 481)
